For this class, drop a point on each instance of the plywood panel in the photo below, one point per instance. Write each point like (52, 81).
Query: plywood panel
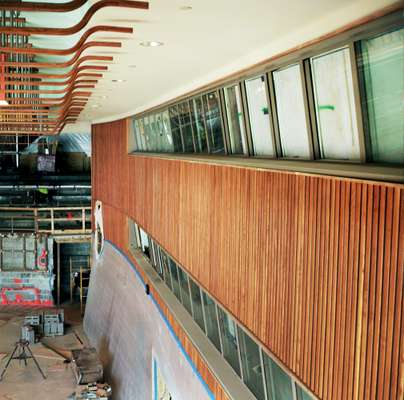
(311, 265)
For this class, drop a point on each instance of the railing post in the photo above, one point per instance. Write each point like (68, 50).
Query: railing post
(58, 273)
(52, 221)
(83, 219)
(71, 281)
(36, 226)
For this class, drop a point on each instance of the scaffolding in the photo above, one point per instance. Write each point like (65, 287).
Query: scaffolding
(46, 220)
(80, 269)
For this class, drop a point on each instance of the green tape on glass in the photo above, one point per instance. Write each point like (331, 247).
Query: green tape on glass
(43, 190)
(326, 107)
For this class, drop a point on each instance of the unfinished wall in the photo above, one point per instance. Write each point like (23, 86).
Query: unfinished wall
(26, 269)
(128, 329)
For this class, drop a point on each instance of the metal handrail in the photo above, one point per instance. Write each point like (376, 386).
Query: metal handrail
(47, 220)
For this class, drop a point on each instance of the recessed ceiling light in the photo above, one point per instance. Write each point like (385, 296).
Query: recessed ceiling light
(151, 43)
(186, 8)
(132, 66)
(95, 105)
(118, 80)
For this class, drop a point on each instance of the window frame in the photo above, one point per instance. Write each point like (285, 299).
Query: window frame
(306, 106)
(357, 103)
(244, 133)
(350, 38)
(272, 134)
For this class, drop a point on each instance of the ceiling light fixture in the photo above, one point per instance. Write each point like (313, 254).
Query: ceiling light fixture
(186, 8)
(151, 43)
(118, 80)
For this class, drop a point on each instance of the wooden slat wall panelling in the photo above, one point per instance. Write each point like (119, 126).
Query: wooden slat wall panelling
(395, 390)
(311, 265)
(369, 302)
(379, 292)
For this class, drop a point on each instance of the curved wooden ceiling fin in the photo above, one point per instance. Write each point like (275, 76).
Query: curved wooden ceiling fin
(42, 102)
(55, 7)
(75, 28)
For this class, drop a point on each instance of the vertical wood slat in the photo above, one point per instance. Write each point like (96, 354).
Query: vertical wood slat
(312, 266)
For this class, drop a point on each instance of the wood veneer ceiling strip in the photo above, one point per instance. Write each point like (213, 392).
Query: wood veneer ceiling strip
(39, 112)
(80, 25)
(32, 106)
(54, 7)
(49, 83)
(56, 65)
(56, 52)
(69, 74)
(83, 39)
(48, 102)
(61, 91)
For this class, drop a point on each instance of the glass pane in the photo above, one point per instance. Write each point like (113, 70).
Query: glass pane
(212, 329)
(133, 235)
(229, 339)
(174, 278)
(186, 127)
(159, 266)
(168, 139)
(235, 120)
(175, 129)
(142, 134)
(152, 254)
(258, 111)
(213, 122)
(199, 126)
(186, 300)
(166, 269)
(136, 132)
(335, 105)
(251, 364)
(279, 384)
(153, 133)
(147, 135)
(197, 303)
(291, 112)
(302, 394)
(159, 133)
(144, 241)
(381, 64)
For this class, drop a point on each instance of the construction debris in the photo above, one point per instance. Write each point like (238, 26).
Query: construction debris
(86, 365)
(48, 322)
(96, 391)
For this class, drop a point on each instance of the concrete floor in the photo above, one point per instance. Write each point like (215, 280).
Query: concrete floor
(25, 382)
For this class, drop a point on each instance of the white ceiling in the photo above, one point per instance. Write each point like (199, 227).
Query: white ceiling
(213, 39)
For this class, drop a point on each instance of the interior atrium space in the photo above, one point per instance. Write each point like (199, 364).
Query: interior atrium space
(201, 200)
